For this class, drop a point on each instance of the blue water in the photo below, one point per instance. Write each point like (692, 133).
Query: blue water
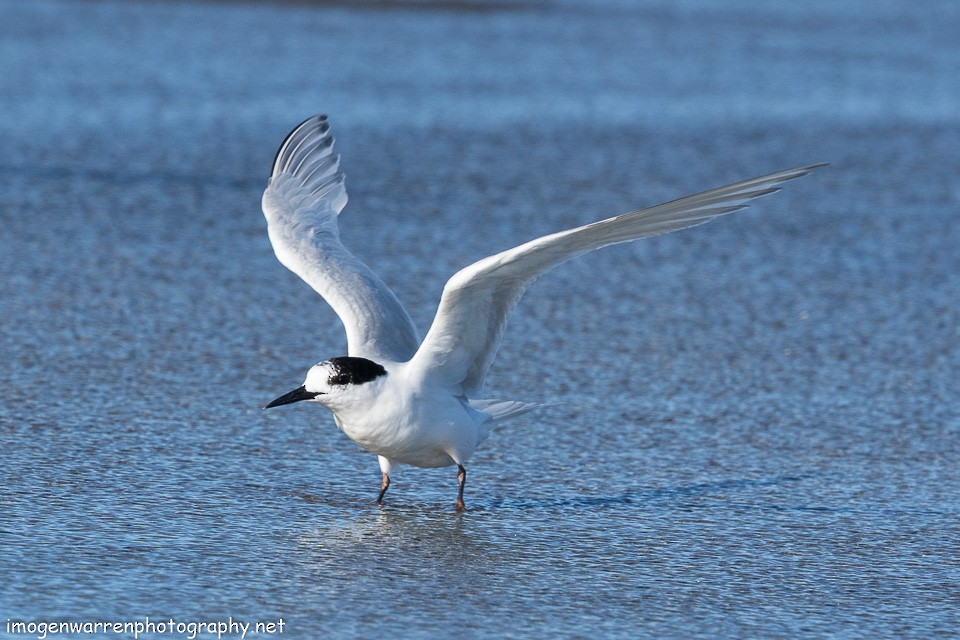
(753, 426)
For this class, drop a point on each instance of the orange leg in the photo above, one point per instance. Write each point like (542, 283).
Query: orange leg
(384, 485)
(462, 479)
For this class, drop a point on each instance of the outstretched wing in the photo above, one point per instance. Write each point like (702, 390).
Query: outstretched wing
(477, 300)
(303, 198)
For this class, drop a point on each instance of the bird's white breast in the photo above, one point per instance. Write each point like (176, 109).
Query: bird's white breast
(410, 424)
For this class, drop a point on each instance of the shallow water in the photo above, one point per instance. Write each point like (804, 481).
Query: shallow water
(752, 427)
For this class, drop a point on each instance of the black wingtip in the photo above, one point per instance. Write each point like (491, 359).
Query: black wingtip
(320, 117)
(807, 169)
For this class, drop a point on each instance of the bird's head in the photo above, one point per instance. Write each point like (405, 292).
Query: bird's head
(332, 381)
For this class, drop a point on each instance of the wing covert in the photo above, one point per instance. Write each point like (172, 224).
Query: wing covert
(477, 300)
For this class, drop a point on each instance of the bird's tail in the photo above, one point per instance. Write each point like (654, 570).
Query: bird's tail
(502, 409)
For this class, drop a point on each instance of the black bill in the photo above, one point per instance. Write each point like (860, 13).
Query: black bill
(296, 395)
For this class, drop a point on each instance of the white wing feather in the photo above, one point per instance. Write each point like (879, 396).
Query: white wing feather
(477, 300)
(303, 198)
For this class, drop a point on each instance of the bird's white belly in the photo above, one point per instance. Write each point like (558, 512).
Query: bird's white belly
(435, 434)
